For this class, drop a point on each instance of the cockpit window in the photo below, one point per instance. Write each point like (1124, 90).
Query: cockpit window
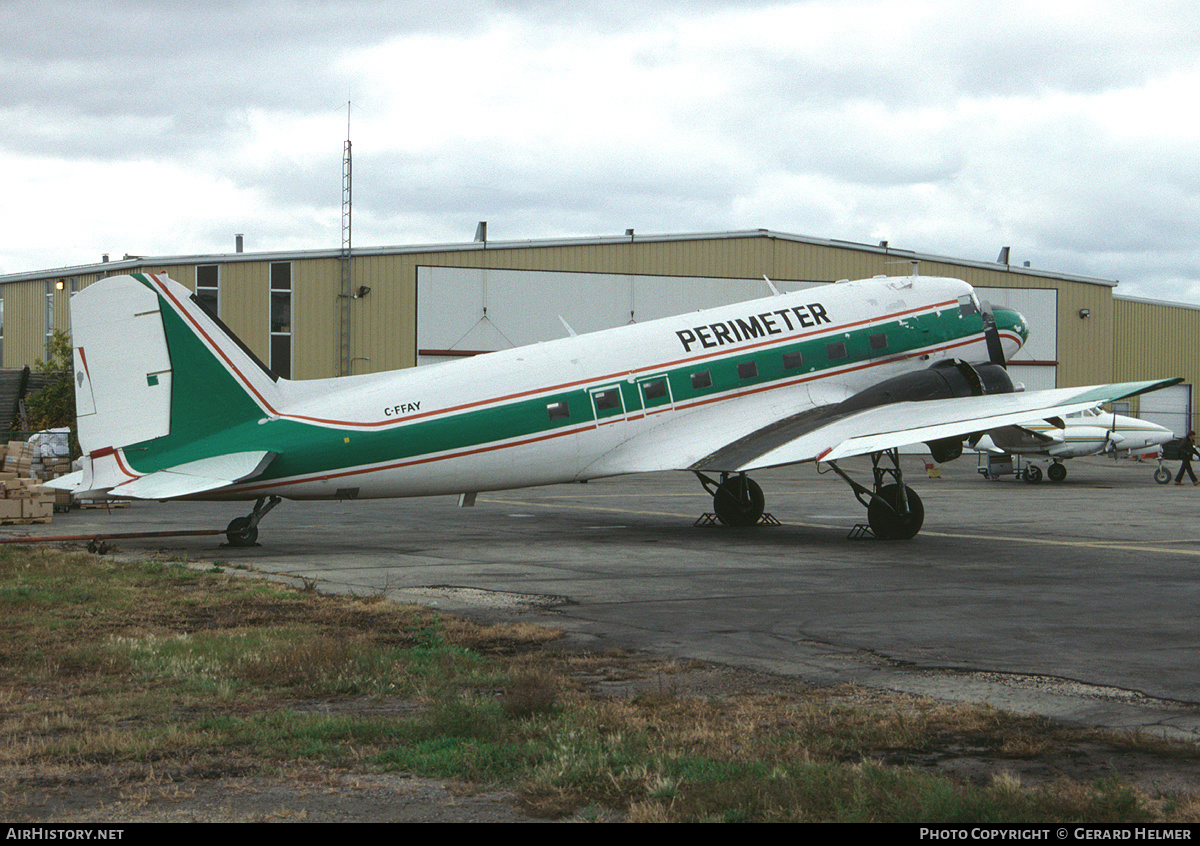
(967, 305)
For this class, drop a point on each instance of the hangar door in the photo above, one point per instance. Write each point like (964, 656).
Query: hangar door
(1170, 407)
(466, 310)
(1036, 365)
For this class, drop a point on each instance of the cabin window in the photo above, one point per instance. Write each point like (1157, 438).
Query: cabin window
(747, 370)
(701, 380)
(836, 350)
(655, 390)
(879, 341)
(558, 410)
(608, 400)
(792, 360)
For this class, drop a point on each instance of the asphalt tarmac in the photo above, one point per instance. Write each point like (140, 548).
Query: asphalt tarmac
(1076, 600)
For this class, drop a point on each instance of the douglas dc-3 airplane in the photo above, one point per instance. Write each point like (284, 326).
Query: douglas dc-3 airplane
(171, 405)
(1089, 432)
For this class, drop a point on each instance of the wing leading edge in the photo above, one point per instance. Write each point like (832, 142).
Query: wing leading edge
(820, 435)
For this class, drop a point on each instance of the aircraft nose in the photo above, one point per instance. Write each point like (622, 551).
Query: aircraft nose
(1013, 329)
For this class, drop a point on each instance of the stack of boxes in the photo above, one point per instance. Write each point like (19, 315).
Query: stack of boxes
(25, 500)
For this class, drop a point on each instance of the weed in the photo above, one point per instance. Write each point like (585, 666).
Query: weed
(111, 664)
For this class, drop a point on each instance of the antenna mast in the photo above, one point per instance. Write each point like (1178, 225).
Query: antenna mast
(347, 183)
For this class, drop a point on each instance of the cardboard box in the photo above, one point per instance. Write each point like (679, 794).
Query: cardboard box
(37, 509)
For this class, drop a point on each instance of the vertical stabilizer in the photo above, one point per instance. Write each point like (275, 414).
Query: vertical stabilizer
(122, 365)
(160, 384)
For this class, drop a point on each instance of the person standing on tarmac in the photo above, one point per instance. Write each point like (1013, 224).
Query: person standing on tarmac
(1186, 450)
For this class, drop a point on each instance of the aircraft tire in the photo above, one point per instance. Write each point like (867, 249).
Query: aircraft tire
(1162, 475)
(739, 501)
(240, 533)
(887, 523)
(1032, 475)
(1056, 472)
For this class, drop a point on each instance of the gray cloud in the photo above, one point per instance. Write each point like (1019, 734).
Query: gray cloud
(1056, 130)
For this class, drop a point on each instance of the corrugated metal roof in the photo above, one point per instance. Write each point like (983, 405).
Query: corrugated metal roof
(476, 246)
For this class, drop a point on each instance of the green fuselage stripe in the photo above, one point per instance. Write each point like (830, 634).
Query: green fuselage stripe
(212, 414)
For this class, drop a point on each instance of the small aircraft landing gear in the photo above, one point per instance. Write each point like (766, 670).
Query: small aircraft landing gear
(1162, 475)
(243, 531)
(737, 499)
(894, 511)
(1056, 472)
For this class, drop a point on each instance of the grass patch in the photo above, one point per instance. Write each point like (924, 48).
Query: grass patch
(111, 668)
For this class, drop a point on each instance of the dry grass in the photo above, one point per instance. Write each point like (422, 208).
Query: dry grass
(134, 682)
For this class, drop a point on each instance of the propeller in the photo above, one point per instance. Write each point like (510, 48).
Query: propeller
(992, 336)
(1111, 438)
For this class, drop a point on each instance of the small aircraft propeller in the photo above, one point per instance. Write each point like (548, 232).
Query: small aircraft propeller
(1111, 438)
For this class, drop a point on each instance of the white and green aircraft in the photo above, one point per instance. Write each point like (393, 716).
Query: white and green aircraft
(171, 405)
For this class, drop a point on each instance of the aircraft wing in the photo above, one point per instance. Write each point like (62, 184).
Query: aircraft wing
(884, 427)
(194, 477)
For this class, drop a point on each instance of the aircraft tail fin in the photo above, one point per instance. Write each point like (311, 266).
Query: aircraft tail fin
(157, 381)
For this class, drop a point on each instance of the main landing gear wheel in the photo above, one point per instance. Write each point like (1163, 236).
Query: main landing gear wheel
(887, 517)
(1056, 472)
(1162, 475)
(739, 501)
(894, 511)
(240, 533)
(1032, 475)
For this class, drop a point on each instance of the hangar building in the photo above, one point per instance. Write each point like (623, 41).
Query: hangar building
(313, 314)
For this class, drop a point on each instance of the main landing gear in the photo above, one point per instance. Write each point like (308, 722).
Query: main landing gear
(894, 511)
(244, 530)
(737, 499)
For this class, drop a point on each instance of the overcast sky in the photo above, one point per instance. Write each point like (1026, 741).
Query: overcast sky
(1066, 130)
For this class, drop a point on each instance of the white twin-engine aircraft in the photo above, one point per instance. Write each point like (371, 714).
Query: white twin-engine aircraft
(1089, 432)
(171, 405)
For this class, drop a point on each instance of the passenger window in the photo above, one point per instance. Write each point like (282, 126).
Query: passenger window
(608, 400)
(702, 380)
(747, 370)
(558, 411)
(879, 341)
(836, 350)
(792, 360)
(655, 390)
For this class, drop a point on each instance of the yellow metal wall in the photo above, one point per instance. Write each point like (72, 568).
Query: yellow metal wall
(1118, 340)
(1157, 341)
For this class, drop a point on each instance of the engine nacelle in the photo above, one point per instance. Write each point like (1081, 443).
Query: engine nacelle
(944, 380)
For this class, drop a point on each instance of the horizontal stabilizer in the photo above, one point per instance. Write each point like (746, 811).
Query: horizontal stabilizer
(187, 479)
(197, 476)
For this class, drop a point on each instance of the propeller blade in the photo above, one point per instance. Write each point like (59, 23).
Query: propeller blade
(992, 335)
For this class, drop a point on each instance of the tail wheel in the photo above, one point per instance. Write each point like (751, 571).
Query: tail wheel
(887, 521)
(739, 501)
(241, 533)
